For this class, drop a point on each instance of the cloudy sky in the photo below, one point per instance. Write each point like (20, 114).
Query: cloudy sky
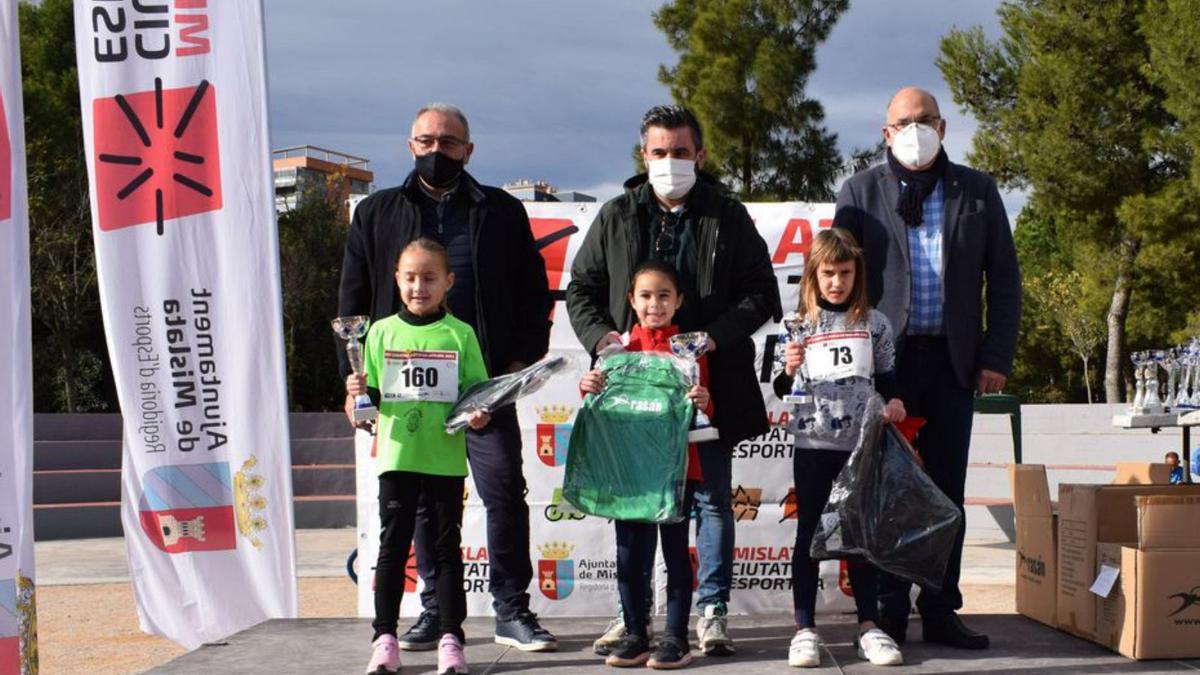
(554, 90)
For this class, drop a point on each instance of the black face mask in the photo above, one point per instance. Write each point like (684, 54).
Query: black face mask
(438, 170)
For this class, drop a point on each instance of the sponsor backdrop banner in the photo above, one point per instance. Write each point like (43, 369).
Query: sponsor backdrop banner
(175, 133)
(574, 556)
(18, 620)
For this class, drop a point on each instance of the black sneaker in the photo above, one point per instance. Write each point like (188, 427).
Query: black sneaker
(632, 650)
(671, 652)
(525, 633)
(423, 635)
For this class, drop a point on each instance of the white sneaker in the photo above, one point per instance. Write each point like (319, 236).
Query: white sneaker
(712, 632)
(805, 650)
(879, 648)
(613, 632)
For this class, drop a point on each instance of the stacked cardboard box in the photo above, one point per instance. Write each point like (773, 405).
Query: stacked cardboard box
(1059, 555)
(1152, 609)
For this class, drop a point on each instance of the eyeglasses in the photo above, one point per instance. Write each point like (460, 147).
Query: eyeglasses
(926, 120)
(665, 242)
(427, 142)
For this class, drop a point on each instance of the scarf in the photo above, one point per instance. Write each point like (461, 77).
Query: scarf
(916, 186)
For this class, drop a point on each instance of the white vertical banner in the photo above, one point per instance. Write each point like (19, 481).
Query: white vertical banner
(574, 555)
(18, 617)
(175, 132)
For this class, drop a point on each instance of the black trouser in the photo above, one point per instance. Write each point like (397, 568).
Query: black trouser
(495, 457)
(813, 472)
(635, 544)
(399, 492)
(930, 390)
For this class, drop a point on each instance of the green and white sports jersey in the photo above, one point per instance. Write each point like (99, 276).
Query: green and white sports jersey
(419, 372)
(628, 450)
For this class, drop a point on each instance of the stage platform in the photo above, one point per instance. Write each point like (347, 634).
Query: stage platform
(335, 646)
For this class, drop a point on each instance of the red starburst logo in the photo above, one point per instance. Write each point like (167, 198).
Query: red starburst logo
(157, 155)
(5, 167)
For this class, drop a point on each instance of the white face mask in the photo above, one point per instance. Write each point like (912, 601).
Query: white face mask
(916, 145)
(672, 178)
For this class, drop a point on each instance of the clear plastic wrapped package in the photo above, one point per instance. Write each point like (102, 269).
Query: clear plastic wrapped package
(500, 391)
(886, 510)
(627, 458)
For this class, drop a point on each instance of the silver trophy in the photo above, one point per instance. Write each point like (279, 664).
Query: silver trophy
(352, 329)
(1136, 406)
(1171, 361)
(1153, 402)
(690, 347)
(794, 324)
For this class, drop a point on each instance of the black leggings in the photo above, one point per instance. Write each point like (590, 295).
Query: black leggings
(813, 472)
(635, 544)
(399, 492)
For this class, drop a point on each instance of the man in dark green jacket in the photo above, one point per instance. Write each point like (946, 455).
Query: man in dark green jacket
(684, 217)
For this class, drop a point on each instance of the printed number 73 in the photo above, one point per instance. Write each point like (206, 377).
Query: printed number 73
(841, 356)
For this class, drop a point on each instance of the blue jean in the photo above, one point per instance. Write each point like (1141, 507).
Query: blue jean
(714, 524)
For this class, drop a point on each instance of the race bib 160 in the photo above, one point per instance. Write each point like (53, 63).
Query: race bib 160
(420, 376)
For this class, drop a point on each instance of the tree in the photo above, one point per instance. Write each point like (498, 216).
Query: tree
(1064, 291)
(743, 69)
(312, 239)
(1066, 107)
(68, 341)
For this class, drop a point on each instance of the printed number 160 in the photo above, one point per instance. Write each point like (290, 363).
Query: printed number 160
(416, 376)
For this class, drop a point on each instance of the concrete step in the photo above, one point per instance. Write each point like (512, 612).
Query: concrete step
(60, 455)
(104, 485)
(103, 519)
(322, 451)
(77, 427)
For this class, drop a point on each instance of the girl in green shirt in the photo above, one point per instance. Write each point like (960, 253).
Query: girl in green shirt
(416, 363)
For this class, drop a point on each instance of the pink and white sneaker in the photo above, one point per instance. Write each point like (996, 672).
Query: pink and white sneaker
(450, 656)
(385, 659)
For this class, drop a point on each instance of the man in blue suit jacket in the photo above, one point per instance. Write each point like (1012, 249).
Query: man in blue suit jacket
(939, 254)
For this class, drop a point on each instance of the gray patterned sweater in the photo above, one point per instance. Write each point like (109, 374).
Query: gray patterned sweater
(832, 418)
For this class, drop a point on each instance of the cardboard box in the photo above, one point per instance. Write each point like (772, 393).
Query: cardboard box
(1168, 522)
(1088, 515)
(1110, 609)
(1142, 473)
(1037, 545)
(1153, 610)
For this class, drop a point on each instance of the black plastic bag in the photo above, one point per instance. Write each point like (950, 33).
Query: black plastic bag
(885, 509)
(493, 394)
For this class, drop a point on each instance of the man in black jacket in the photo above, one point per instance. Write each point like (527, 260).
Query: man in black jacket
(500, 289)
(676, 214)
(937, 246)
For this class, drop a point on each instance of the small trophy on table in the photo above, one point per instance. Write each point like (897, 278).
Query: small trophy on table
(352, 329)
(793, 323)
(690, 347)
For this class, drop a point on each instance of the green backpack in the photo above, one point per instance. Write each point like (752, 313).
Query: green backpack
(627, 458)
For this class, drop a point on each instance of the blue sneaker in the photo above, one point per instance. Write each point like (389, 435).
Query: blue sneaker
(525, 633)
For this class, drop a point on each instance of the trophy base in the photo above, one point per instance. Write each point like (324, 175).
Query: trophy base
(701, 434)
(366, 414)
(797, 399)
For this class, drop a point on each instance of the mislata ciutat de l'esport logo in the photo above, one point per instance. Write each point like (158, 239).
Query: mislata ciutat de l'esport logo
(5, 166)
(157, 155)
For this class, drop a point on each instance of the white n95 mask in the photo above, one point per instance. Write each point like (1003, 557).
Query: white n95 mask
(916, 145)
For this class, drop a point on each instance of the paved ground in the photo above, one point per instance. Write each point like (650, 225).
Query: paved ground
(333, 642)
(1020, 646)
